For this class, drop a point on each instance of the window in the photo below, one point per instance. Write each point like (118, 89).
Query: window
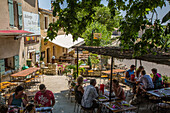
(53, 20)
(15, 14)
(53, 50)
(46, 22)
(63, 49)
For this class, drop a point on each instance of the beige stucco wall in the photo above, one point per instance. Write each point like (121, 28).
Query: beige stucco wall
(9, 47)
(28, 8)
(35, 46)
(4, 18)
(58, 50)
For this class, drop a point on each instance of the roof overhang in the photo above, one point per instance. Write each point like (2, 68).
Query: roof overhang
(14, 32)
(66, 41)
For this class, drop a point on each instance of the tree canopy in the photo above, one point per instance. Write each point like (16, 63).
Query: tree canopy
(155, 35)
(102, 23)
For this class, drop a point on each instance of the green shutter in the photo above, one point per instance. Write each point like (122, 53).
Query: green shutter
(20, 15)
(11, 13)
(2, 66)
(16, 62)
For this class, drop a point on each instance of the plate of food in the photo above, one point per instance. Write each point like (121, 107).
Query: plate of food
(124, 104)
(103, 98)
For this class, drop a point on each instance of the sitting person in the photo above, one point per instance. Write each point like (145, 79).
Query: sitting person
(130, 72)
(18, 97)
(128, 77)
(157, 79)
(145, 82)
(3, 108)
(44, 97)
(118, 90)
(90, 94)
(79, 90)
(138, 71)
(30, 108)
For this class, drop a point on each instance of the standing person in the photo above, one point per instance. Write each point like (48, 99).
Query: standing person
(118, 90)
(157, 79)
(90, 94)
(18, 97)
(44, 97)
(79, 90)
(139, 71)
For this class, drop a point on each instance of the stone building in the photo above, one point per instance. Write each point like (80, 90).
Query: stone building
(13, 51)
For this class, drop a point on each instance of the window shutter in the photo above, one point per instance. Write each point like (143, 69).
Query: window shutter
(20, 15)
(11, 13)
(16, 62)
(2, 66)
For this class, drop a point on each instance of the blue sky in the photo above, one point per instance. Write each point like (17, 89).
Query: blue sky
(46, 4)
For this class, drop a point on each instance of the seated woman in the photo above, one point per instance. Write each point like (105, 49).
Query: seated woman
(118, 90)
(79, 90)
(138, 71)
(157, 79)
(18, 97)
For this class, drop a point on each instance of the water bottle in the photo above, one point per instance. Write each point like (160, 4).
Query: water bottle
(22, 108)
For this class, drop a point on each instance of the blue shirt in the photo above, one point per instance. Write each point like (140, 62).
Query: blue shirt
(16, 102)
(130, 73)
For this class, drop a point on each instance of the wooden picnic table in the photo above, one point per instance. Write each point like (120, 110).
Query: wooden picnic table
(4, 85)
(114, 71)
(25, 72)
(119, 106)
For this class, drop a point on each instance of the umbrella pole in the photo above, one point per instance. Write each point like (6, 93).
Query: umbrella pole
(111, 79)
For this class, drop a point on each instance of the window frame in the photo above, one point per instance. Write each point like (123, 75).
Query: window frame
(46, 16)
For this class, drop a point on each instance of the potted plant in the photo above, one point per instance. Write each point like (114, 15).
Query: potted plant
(94, 60)
(74, 67)
(166, 80)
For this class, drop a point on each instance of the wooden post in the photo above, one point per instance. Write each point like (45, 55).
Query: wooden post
(140, 63)
(136, 63)
(111, 78)
(77, 61)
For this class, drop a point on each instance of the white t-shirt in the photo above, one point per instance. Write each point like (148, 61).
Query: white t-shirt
(89, 95)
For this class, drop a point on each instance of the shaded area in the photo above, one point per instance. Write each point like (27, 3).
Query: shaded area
(31, 2)
(117, 52)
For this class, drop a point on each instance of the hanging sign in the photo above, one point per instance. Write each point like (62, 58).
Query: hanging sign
(97, 35)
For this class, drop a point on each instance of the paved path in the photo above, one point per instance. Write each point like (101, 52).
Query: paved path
(58, 85)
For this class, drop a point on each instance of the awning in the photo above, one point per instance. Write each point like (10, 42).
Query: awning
(13, 32)
(66, 41)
